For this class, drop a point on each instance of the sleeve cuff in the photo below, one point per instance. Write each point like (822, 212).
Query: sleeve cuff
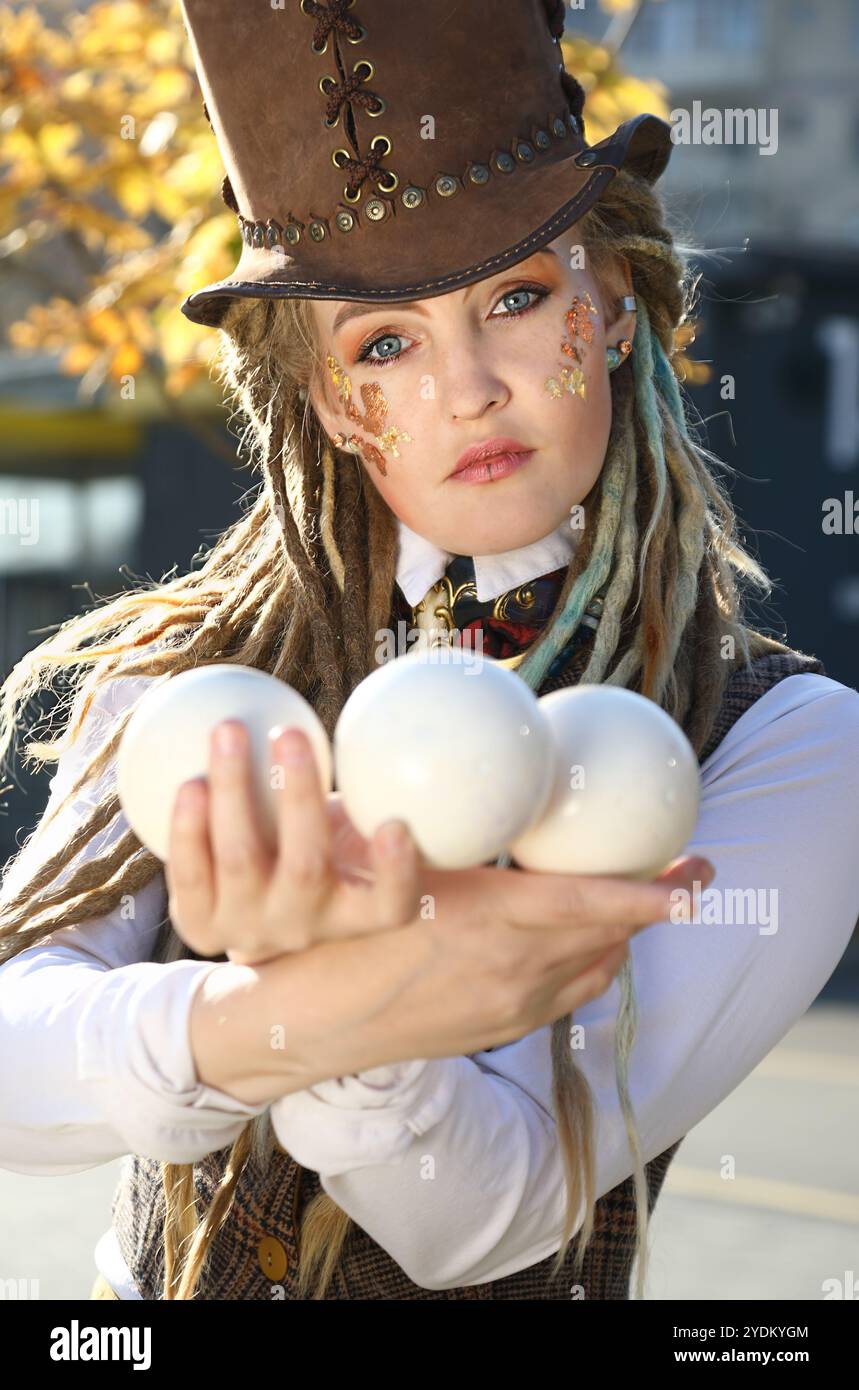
(337, 1126)
(133, 1046)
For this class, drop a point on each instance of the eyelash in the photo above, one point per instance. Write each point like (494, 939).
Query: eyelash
(364, 351)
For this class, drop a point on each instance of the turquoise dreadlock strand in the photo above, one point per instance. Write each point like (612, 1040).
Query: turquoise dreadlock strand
(644, 372)
(667, 382)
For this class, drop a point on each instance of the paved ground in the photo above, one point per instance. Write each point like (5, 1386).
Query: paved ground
(786, 1222)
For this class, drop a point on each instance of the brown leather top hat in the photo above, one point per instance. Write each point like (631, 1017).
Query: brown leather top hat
(396, 149)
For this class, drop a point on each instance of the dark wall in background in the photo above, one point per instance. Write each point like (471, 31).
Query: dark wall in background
(191, 494)
(787, 330)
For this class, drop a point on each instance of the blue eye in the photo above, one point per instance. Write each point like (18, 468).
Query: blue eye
(364, 354)
(386, 360)
(511, 294)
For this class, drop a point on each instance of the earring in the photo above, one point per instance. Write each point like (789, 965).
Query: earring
(614, 356)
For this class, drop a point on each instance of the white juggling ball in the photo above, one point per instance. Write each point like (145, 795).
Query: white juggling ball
(626, 790)
(166, 742)
(450, 742)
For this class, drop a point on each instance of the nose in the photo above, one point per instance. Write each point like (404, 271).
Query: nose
(471, 384)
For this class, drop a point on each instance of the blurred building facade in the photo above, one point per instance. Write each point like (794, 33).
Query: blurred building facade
(794, 57)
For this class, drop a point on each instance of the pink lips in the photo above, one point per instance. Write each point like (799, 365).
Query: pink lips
(495, 458)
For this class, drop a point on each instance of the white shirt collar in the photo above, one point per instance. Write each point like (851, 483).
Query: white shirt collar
(421, 563)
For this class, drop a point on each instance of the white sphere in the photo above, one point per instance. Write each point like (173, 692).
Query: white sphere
(450, 742)
(626, 791)
(166, 742)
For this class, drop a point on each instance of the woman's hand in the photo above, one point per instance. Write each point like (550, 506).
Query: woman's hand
(229, 894)
(501, 953)
(367, 959)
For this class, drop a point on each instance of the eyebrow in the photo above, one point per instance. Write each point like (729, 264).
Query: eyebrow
(356, 310)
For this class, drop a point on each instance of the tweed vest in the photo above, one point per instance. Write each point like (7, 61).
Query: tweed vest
(255, 1253)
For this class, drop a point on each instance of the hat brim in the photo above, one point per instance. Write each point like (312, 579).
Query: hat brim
(489, 228)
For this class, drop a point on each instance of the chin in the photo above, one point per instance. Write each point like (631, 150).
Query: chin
(498, 539)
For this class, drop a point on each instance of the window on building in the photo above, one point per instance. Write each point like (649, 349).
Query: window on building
(692, 26)
(56, 524)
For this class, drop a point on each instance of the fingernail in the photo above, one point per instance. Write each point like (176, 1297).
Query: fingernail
(229, 738)
(295, 750)
(187, 800)
(392, 837)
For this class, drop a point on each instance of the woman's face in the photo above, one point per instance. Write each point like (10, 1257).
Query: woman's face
(520, 357)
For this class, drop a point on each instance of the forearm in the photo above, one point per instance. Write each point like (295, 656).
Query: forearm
(97, 1064)
(265, 1031)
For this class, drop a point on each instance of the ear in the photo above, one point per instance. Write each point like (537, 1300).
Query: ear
(620, 322)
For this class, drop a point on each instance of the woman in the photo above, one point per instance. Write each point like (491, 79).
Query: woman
(362, 1102)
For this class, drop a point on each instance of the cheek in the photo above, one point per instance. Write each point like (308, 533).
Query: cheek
(368, 415)
(579, 351)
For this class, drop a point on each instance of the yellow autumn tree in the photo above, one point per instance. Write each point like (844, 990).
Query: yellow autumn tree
(110, 208)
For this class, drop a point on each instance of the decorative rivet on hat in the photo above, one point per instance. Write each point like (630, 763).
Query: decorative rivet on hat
(376, 209)
(504, 162)
(292, 234)
(412, 197)
(524, 151)
(587, 157)
(345, 221)
(446, 185)
(558, 127)
(541, 140)
(478, 173)
(273, 233)
(317, 230)
(257, 236)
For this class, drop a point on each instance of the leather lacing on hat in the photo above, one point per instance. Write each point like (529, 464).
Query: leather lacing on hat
(348, 90)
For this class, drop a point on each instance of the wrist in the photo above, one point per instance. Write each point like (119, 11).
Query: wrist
(264, 1031)
(237, 1043)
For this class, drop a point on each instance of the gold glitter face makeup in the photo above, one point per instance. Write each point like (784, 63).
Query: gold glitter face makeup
(354, 444)
(372, 420)
(579, 320)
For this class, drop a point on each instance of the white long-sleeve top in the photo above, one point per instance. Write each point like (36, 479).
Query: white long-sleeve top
(453, 1164)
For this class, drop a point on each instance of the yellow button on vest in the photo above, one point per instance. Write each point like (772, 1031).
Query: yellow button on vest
(272, 1258)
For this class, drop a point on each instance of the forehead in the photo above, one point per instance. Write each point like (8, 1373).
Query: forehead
(335, 313)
